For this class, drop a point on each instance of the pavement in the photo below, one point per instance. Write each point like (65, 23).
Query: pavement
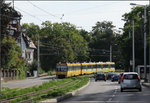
(146, 84)
(26, 83)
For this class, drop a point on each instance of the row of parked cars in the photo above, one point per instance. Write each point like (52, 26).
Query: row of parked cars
(127, 80)
(110, 75)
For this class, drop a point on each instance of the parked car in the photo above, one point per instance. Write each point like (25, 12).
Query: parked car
(119, 79)
(130, 80)
(100, 76)
(115, 77)
(95, 75)
(109, 75)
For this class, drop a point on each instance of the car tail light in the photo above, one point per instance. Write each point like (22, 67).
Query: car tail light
(138, 77)
(119, 77)
(122, 78)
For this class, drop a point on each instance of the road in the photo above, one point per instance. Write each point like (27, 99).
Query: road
(109, 92)
(27, 82)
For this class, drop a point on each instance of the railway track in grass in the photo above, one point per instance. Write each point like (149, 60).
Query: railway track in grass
(28, 95)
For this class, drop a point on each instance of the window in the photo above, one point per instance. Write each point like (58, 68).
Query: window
(105, 66)
(61, 68)
(99, 66)
(130, 76)
(28, 55)
(83, 67)
(11, 32)
(112, 65)
(89, 66)
(14, 22)
(94, 66)
(58, 69)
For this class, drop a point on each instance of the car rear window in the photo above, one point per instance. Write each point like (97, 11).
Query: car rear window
(100, 75)
(130, 76)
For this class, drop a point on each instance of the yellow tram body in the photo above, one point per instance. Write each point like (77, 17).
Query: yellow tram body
(75, 69)
(111, 66)
(84, 68)
(99, 67)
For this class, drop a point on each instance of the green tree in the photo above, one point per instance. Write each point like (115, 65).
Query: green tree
(102, 37)
(31, 30)
(86, 35)
(11, 53)
(136, 14)
(6, 11)
(59, 42)
(63, 42)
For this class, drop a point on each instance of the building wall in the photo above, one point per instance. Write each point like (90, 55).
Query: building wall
(27, 53)
(23, 46)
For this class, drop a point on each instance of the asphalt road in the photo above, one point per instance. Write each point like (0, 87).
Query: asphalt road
(109, 92)
(27, 82)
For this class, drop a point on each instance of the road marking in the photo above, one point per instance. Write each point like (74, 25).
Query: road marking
(113, 95)
(110, 99)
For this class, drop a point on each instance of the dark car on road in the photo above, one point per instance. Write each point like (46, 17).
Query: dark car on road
(130, 80)
(109, 75)
(100, 76)
(119, 79)
(115, 77)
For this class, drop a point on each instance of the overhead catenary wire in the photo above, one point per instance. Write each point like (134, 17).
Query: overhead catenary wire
(42, 9)
(29, 14)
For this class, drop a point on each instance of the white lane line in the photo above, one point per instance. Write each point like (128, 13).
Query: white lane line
(113, 95)
(110, 99)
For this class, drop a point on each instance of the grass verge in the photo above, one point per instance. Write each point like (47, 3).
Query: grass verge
(10, 93)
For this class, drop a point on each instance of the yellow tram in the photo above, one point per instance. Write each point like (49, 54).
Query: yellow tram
(73, 69)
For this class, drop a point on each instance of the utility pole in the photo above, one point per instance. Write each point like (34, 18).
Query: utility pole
(0, 46)
(110, 53)
(129, 35)
(133, 50)
(13, 4)
(149, 33)
(38, 57)
(145, 80)
(130, 60)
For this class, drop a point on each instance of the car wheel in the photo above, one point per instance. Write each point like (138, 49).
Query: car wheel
(121, 89)
(140, 89)
(95, 80)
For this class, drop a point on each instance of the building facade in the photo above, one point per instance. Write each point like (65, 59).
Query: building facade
(26, 44)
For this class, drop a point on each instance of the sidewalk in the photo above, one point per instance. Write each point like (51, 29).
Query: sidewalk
(26, 83)
(146, 84)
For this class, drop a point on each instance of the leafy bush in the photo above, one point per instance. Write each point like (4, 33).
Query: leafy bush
(51, 72)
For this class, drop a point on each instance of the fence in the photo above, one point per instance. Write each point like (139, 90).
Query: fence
(140, 70)
(9, 74)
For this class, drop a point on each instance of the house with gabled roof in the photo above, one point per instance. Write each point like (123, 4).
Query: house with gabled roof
(26, 44)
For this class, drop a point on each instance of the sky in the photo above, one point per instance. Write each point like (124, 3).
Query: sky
(83, 14)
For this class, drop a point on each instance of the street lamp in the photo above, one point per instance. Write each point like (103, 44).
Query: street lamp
(133, 44)
(111, 57)
(110, 53)
(133, 50)
(145, 79)
(38, 56)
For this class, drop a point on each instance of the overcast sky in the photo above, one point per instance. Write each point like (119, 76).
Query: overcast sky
(80, 13)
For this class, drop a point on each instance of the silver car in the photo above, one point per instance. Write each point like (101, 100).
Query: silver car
(130, 80)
